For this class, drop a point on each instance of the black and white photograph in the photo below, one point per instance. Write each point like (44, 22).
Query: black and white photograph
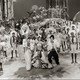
(39, 39)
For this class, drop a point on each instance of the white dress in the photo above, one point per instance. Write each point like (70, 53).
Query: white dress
(73, 45)
(44, 58)
(25, 31)
(3, 41)
(32, 44)
(28, 59)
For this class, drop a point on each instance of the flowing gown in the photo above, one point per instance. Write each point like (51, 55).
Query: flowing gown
(28, 59)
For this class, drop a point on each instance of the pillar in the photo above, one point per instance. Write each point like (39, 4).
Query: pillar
(3, 9)
(10, 9)
(0, 10)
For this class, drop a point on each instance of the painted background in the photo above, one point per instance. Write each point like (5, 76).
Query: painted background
(22, 6)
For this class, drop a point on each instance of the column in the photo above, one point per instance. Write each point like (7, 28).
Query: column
(56, 2)
(0, 11)
(47, 4)
(10, 9)
(3, 9)
(67, 5)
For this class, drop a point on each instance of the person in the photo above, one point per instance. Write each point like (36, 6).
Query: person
(28, 56)
(13, 43)
(63, 41)
(68, 39)
(73, 41)
(39, 50)
(48, 41)
(43, 34)
(53, 52)
(44, 58)
(32, 44)
(24, 32)
(3, 41)
(58, 36)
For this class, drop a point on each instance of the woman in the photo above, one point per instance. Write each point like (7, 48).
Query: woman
(27, 56)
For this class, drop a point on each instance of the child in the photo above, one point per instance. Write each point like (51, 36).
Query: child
(64, 41)
(13, 43)
(68, 39)
(73, 41)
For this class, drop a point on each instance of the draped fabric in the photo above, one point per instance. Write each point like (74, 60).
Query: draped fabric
(54, 3)
(28, 59)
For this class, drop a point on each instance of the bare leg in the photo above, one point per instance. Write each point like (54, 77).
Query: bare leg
(72, 56)
(1, 69)
(5, 53)
(16, 53)
(12, 54)
(24, 49)
(75, 58)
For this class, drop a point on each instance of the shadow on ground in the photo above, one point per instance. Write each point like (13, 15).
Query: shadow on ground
(40, 73)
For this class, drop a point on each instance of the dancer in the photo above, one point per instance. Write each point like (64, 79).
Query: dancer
(73, 41)
(13, 43)
(24, 32)
(27, 56)
(53, 53)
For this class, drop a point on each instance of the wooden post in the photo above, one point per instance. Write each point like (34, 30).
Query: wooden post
(3, 9)
(0, 10)
(67, 5)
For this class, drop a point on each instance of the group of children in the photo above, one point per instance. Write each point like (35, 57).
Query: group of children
(42, 45)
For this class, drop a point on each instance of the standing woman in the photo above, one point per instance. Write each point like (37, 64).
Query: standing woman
(24, 32)
(28, 55)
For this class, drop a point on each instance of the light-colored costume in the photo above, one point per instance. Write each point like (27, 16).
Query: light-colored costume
(28, 56)
(32, 44)
(73, 40)
(28, 59)
(3, 42)
(25, 31)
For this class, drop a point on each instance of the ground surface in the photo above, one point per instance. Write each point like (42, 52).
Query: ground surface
(15, 69)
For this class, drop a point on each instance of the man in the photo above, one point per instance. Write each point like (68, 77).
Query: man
(53, 52)
(73, 41)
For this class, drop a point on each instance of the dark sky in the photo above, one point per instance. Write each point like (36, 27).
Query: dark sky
(21, 6)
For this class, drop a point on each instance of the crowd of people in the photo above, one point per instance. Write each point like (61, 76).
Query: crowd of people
(42, 44)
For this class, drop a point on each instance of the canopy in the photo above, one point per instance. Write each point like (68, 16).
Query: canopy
(77, 17)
